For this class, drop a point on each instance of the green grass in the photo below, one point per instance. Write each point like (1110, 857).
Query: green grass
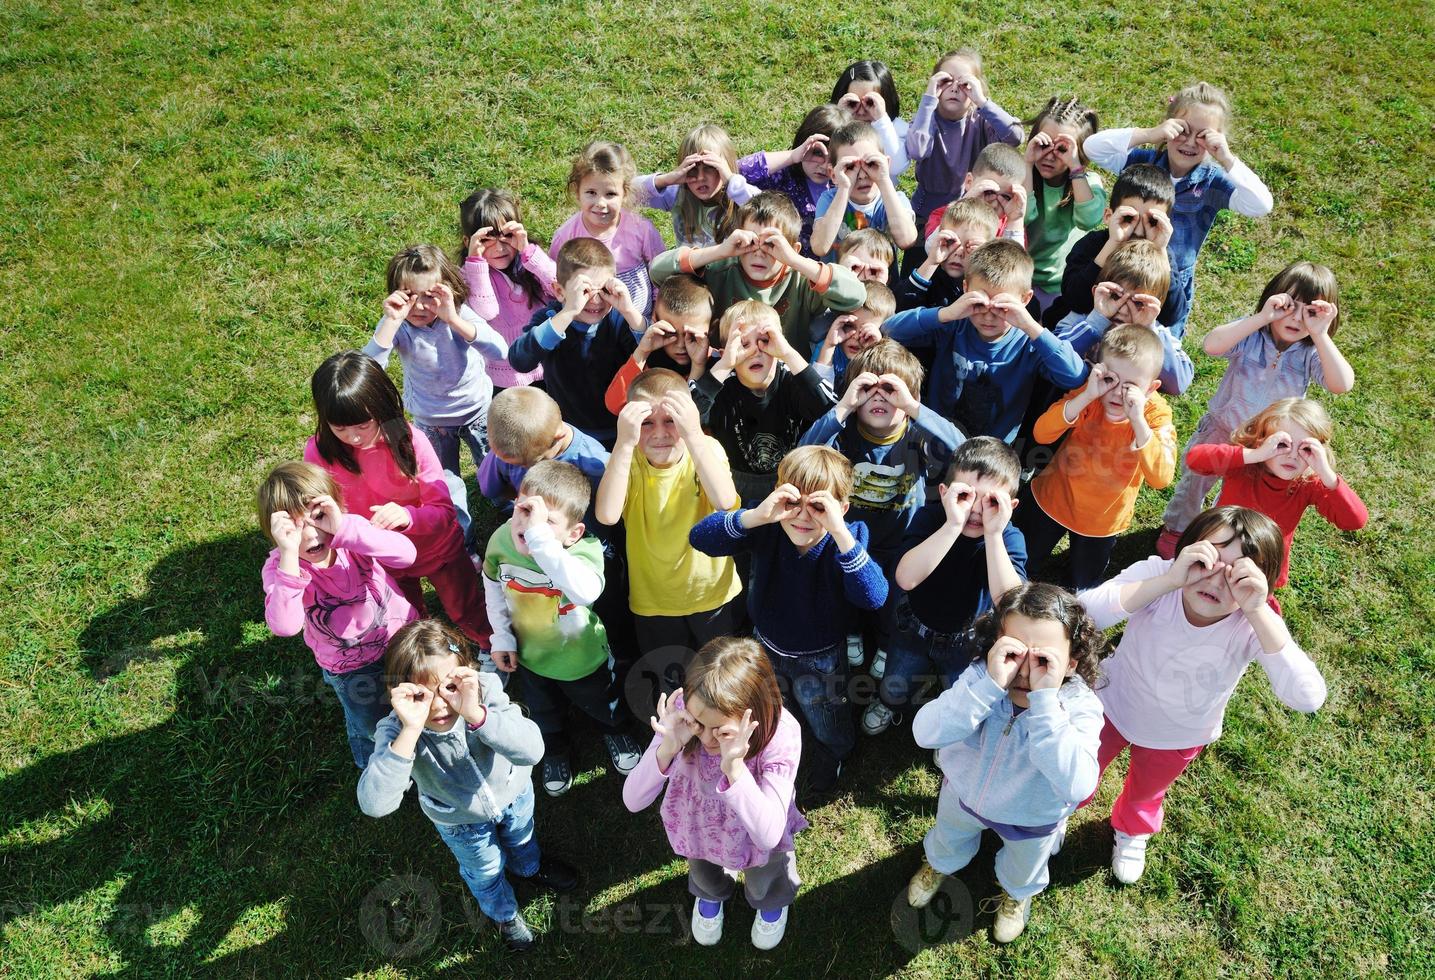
(196, 203)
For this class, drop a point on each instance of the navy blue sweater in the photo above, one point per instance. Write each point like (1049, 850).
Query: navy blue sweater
(798, 603)
(578, 365)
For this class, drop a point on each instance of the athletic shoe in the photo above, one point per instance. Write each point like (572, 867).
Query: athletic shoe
(1011, 918)
(1128, 857)
(877, 718)
(516, 934)
(924, 884)
(557, 774)
(854, 650)
(766, 935)
(623, 751)
(879, 664)
(707, 929)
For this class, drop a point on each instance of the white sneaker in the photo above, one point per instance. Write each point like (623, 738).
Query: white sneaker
(924, 884)
(707, 931)
(854, 650)
(1060, 837)
(1128, 857)
(879, 664)
(1011, 918)
(766, 935)
(877, 718)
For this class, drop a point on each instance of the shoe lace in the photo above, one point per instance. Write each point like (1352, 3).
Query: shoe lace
(998, 904)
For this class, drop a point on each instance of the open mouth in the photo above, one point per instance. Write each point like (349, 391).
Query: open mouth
(600, 217)
(878, 411)
(1210, 597)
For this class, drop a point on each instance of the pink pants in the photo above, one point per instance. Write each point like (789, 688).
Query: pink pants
(1149, 775)
(456, 582)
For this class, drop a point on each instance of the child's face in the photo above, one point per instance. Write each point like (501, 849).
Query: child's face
(704, 181)
(865, 266)
(864, 184)
(758, 370)
(998, 200)
(1289, 465)
(1291, 327)
(1043, 638)
(1185, 151)
(567, 531)
(659, 439)
(969, 236)
(709, 720)
(361, 436)
(878, 414)
(1128, 310)
(988, 322)
(757, 264)
(690, 324)
(1130, 374)
(1050, 164)
(866, 331)
(313, 540)
(598, 304)
(499, 252)
(600, 202)
(803, 529)
(863, 111)
(1143, 225)
(441, 716)
(425, 308)
(817, 164)
(1209, 599)
(951, 104)
(983, 486)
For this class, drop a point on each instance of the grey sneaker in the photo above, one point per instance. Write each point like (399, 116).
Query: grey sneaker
(623, 751)
(557, 774)
(877, 718)
(516, 934)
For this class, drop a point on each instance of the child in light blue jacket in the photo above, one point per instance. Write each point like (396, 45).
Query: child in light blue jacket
(1017, 737)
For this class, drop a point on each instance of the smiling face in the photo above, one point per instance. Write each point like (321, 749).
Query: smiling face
(969, 236)
(659, 439)
(1050, 164)
(864, 185)
(1208, 600)
(598, 304)
(425, 308)
(1289, 465)
(499, 252)
(1128, 372)
(1045, 638)
(804, 529)
(600, 202)
(441, 717)
(1185, 152)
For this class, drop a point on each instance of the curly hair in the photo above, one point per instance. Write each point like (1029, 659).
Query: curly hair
(1041, 600)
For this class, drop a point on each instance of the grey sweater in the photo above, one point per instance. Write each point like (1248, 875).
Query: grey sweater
(463, 776)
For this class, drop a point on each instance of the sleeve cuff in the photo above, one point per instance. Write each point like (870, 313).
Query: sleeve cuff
(824, 279)
(685, 261)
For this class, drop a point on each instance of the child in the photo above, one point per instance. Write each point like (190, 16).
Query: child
(965, 226)
(541, 576)
(1016, 739)
(954, 120)
(1119, 435)
(677, 339)
(526, 427)
(1278, 464)
(1134, 283)
(1193, 134)
(802, 173)
(664, 477)
(1140, 209)
(446, 387)
(963, 552)
(989, 347)
(1275, 353)
(324, 578)
(759, 397)
(578, 364)
(455, 735)
(896, 440)
(866, 89)
(868, 254)
(1193, 626)
(704, 191)
(759, 260)
(387, 471)
(509, 278)
(862, 193)
(851, 333)
(601, 181)
(727, 753)
(803, 576)
(997, 179)
(1064, 200)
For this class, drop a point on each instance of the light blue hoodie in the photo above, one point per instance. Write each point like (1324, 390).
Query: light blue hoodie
(1024, 770)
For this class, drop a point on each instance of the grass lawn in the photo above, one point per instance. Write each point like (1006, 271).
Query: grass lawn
(196, 204)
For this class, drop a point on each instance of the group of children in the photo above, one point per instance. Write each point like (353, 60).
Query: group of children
(835, 429)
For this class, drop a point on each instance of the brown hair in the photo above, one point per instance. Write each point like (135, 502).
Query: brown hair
(1072, 114)
(967, 54)
(419, 642)
(970, 211)
(421, 260)
(731, 674)
(651, 385)
(687, 213)
(870, 241)
(772, 209)
(1259, 536)
(1000, 263)
(1042, 600)
(582, 254)
(290, 488)
(752, 311)
(522, 423)
(351, 389)
(880, 301)
(1201, 93)
(1001, 160)
(1309, 415)
(886, 357)
(813, 468)
(856, 130)
(1142, 265)
(682, 295)
(1305, 282)
(825, 119)
(562, 486)
(987, 457)
(490, 207)
(1136, 344)
(607, 160)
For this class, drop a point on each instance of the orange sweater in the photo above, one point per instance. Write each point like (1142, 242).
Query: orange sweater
(1091, 485)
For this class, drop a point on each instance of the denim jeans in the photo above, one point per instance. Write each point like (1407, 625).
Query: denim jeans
(365, 701)
(814, 689)
(445, 439)
(921, 663)
(482, 850)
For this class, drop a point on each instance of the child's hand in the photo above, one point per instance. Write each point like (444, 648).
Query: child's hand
(1273, 445)
(390, 517)
(996, 515)
(398, 304)
(827, 511)
(939, 83)
(285, 532)
(1277, 306)
(658, 334)
(630, 423)
(1042, 673)
(775, 244)
(447, 310)
(900, 395)
(972, 90)
(878, 167)
(528, 512)
(1037, 147)
(1248, 584)
(1145, 308)
(695, 344)
(733, 741)
(942, 246)
(1014, 204)
(840, 330)
(1004, 659)
(1158, 228)
(812, 148)
(672, 723)
(1195, 562)
(771, 339)
(1314, 454)
(1133, 401)
(874, 107)
(463, 692)
(957, 502)
(1106, 299)
(858, 391)
(845, 172)
(1166, 131)
(505, 660)
(684, 170)
(780, 505)
(616, 293)
(411, 703)
(325, 514)
(1319, 315)
(719, 163)
(1014, 312)
(740, 242)
(1122, 224)
(1098, 383)
(577, 294)
(476, 244)
(684, 411)
(516, 235)
(1213, 141)
(1066, 151)
(972, 301)
(738, 349)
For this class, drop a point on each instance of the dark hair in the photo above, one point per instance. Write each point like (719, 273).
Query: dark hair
(1042, 600)
(870, 71)
(1145, 183)
(989, 458)
(418, 642)
(1064, 112)
(422, 260)
(1305, 282)
(825, 119)
(1259, 536)
(772, 209)
(350, 389)
(493, 208)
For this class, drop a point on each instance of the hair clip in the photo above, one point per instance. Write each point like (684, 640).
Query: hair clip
(453, 648)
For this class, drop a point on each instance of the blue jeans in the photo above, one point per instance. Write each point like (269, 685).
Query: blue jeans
(445, 439)
(814, 689)
(482, 850)
(365, 700)
(921, 663)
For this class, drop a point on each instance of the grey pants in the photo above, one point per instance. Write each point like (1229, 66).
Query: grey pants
(767, 888)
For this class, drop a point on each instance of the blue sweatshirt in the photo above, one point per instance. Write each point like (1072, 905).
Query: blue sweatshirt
(1083, 331)
(984, 387)
(1025, 770)
(796, 601)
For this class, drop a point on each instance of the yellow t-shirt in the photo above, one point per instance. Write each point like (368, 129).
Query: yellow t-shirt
(667, 576)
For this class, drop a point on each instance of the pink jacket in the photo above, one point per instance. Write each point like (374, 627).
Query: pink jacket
(503, 303)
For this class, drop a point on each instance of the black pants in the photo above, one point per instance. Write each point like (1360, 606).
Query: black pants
(596, 696)
(668, 644)
(1088, 556)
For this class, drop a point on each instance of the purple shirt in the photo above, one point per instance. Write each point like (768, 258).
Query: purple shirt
(802, 192)
(506, 306)
(946, 149)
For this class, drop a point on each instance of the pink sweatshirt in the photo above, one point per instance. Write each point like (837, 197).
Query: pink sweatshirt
(434, 528)
(349, 610)
(503, 303)
(634, 242)
(735, 825)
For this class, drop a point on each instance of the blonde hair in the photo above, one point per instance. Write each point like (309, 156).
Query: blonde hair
(1001, 263)
(522, 424)
(1139, 345)
(969, 55)
(1305, 282)
(651, 385)
(751, 312)
(814, 468)
(1309, 415)
(1142, 265)
(970, 211)
(416, 644)
(605, 160)
(561, 485)
(869, 241)
(732, 675)
(886, 357)
(880, 301)
(1200, 94)
(422, 260)
(688, 213)
(290, 488)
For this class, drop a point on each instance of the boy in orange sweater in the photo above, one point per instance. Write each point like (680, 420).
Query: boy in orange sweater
(1119, 435)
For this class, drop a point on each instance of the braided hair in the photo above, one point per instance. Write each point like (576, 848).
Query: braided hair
(1069, 112)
